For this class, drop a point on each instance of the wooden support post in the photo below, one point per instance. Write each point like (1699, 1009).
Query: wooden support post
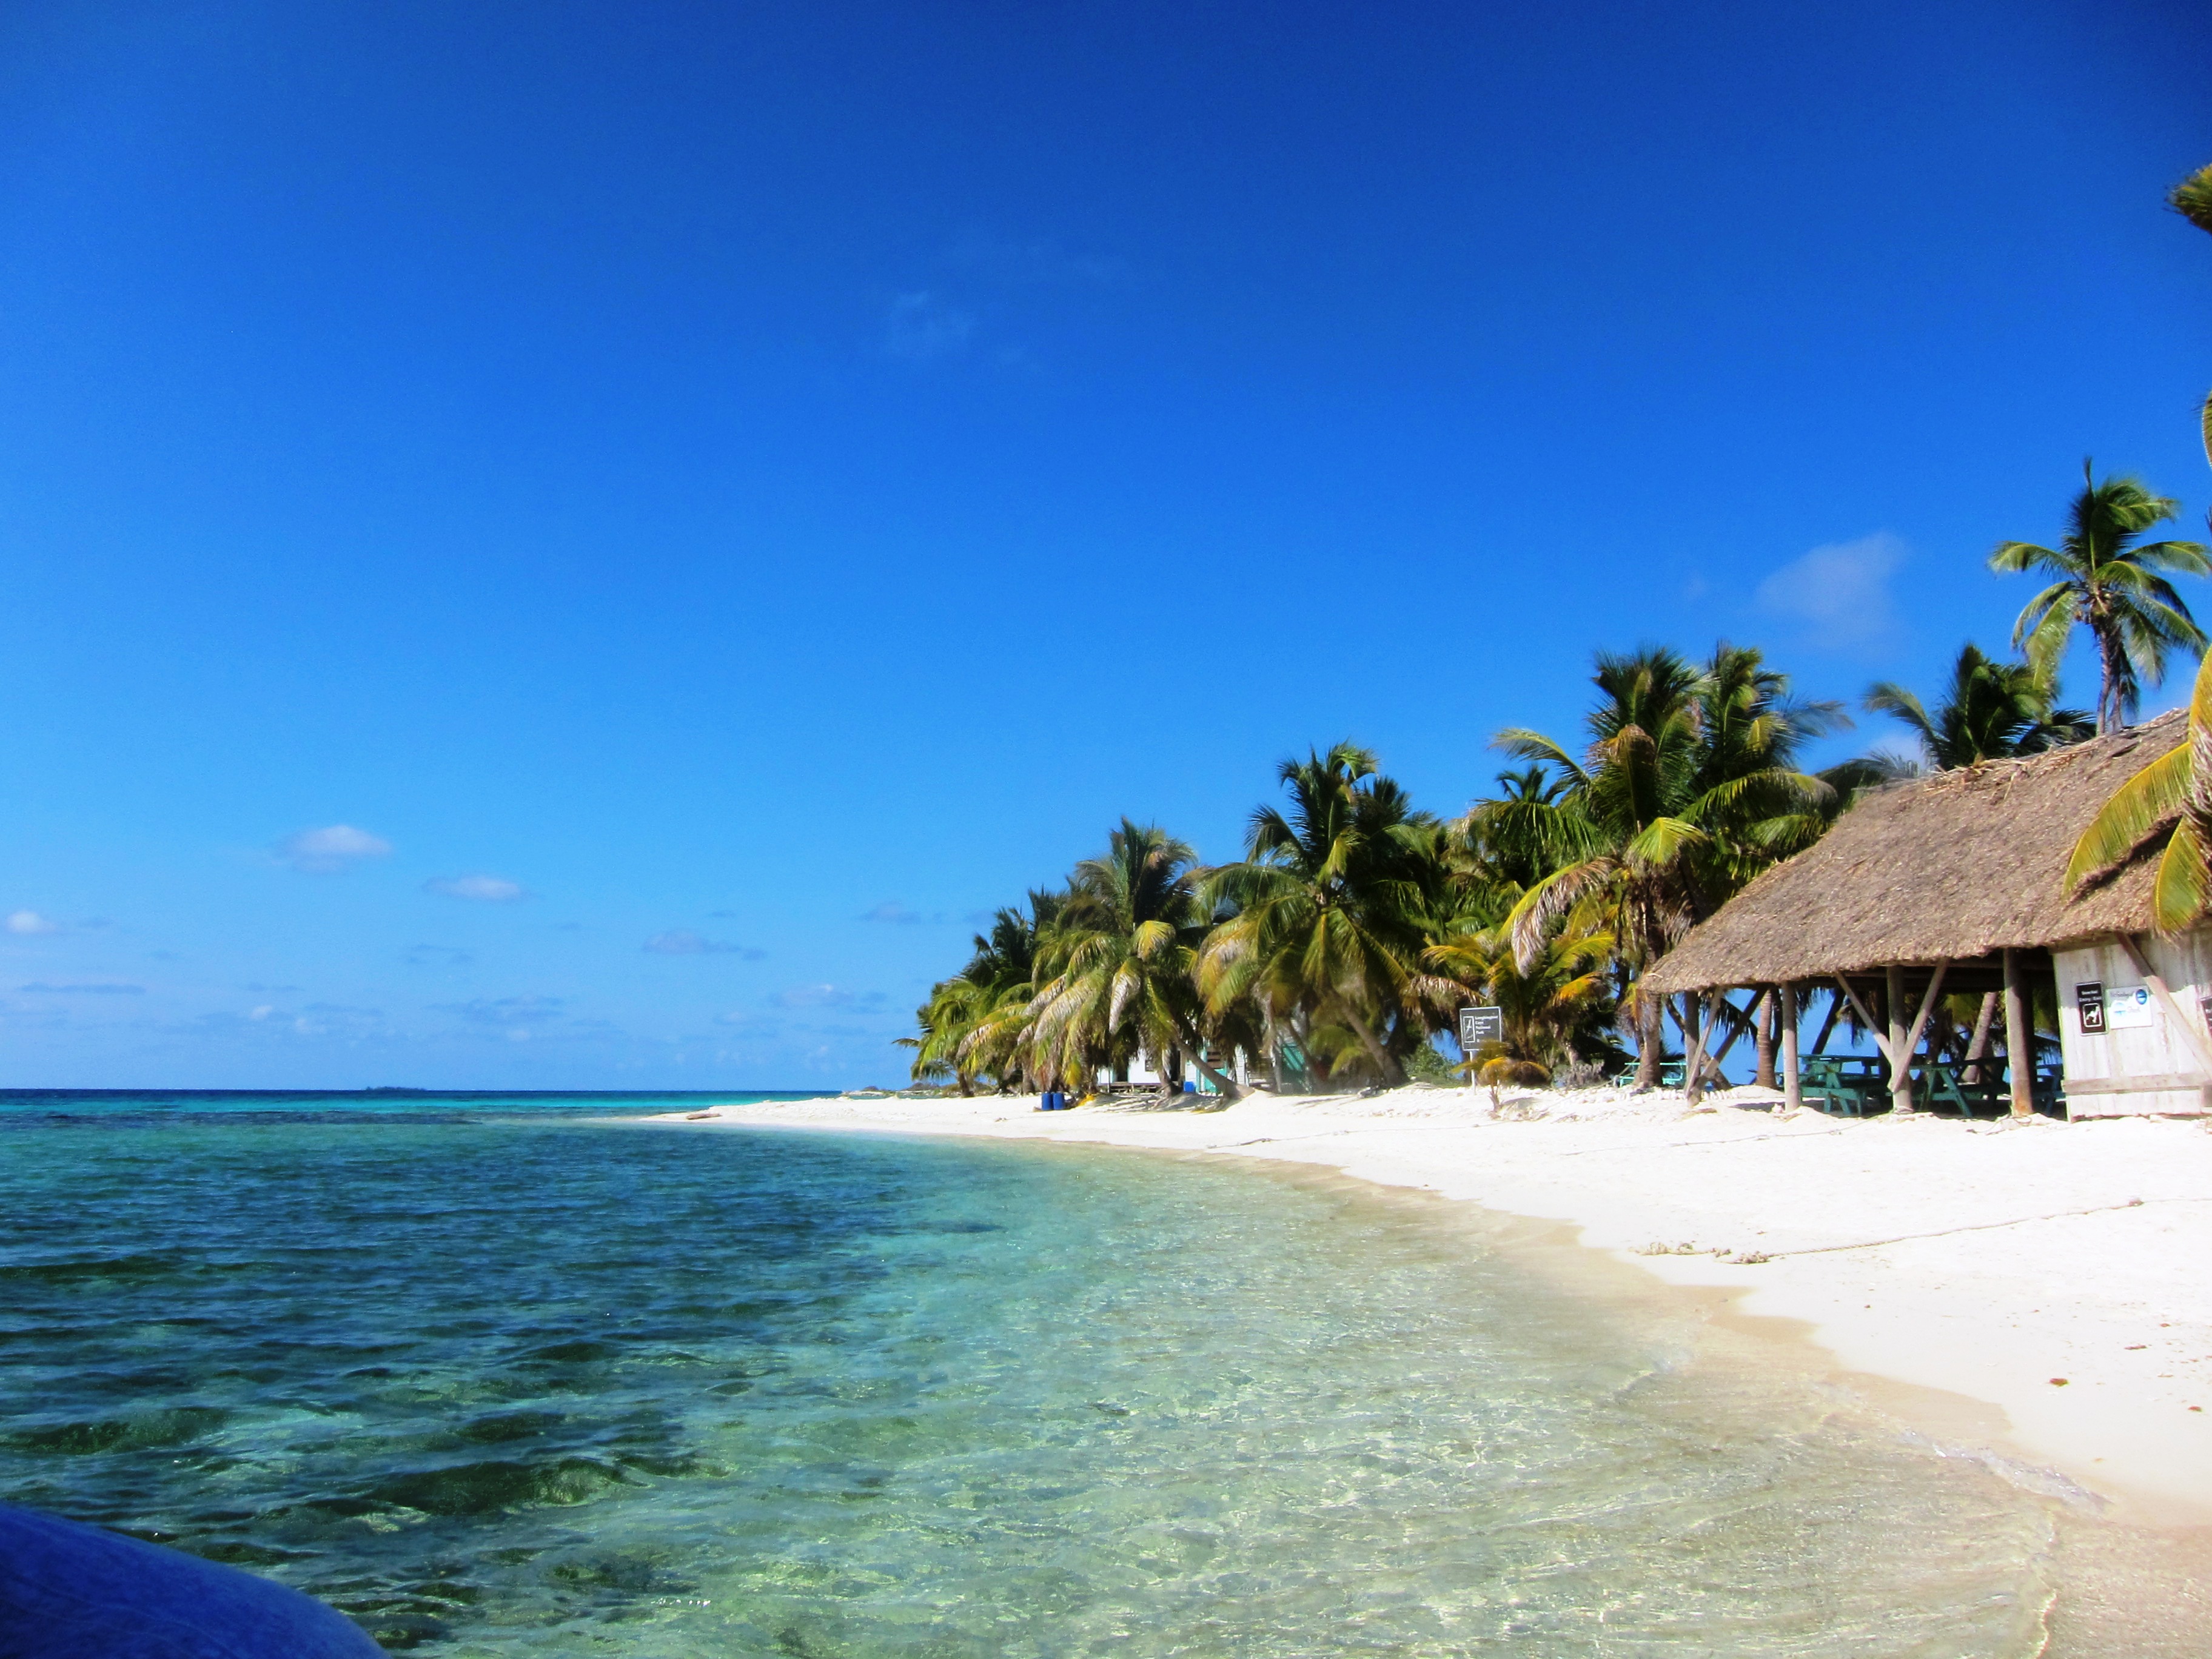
(2020, 1047)
(1900, 1048)
(1785, 996)
(1980, 1045)
(1694, 1048)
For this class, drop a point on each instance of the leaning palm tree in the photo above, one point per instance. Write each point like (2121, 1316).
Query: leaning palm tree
(1322, 917)
(2114, 586)
(1121, 959)
(1989, 710)
(2177, 789)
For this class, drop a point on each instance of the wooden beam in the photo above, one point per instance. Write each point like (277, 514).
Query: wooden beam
(1694, 1048)
(1927, 1007)
(2192, 1030)
(1792, 1088)
(1980, 1045)
(1866, 1019)
(2020, 1043)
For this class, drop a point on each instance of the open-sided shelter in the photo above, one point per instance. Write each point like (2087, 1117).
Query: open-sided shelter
(1955, 882)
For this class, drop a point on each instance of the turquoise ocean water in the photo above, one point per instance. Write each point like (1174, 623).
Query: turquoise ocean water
(505, 1375)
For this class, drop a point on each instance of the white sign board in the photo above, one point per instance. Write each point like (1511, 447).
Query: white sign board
(2129, 1007)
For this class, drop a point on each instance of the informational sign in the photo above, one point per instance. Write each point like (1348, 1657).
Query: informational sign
(2129, 1007)
(1480, 1025)
(2089, 1003)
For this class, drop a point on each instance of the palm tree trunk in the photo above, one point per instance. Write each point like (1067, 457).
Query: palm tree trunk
(2111, 697)
(1392, 1073)
(1769, 1026)
(1192, 1050)
(1651, 1038)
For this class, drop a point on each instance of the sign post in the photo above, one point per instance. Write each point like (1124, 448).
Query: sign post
(1476, 1027)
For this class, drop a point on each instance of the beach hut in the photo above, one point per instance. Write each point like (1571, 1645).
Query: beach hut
(1954, 882)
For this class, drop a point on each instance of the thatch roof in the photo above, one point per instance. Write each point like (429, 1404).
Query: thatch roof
(1939, 869)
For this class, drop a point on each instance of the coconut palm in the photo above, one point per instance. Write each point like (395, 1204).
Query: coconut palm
(2176, 788)
(1120, 959)
(1689, 784)
(2114, 586)
(2193, 198)
(1989, 710)
(972, 1025)
(1552, 1009)
(1323, 915)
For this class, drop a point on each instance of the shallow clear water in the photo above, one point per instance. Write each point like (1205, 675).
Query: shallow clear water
(539, 1385)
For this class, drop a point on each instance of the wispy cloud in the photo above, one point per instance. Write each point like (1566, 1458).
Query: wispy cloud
(483, 890)
(892, 913)
(1840, 592)
(919, 326)
(86, 988)
(30, 922)
(439, 955)
(509, 1011)
(827, 996)
(332, 848)
(683, 942)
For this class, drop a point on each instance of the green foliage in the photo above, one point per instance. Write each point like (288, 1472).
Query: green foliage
(1320, 925)
(2193, 198)
(1989, 710)
(2112, 584)
(2174, 789)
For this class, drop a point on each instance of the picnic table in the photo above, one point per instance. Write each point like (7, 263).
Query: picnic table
(1857, 1085)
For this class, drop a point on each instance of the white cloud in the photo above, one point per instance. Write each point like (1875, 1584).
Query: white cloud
(683, 942)
(30, 922)
(327, 851)
(919, 326)
(1839, 591)
(484, 889)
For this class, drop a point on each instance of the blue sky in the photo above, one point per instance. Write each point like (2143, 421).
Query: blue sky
(578, 546)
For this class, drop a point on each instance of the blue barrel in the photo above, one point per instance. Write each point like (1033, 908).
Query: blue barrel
(74, 1592)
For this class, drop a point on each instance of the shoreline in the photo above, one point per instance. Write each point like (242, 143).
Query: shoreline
(1971, 1264)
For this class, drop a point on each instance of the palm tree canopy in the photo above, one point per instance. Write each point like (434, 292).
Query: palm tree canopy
(1121, 955)
(1989, 710)
(2193, 198)
(1324, 915)
(2176, 788)
(2114, 585)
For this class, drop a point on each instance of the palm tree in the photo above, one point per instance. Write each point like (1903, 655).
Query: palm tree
(1689, 784)
(2193, 198)
(1121, 959)
(2176, 788)
(1989, 710)
(971, 1026)
(2114, 587)
(1323, 915)
(1552, 1010)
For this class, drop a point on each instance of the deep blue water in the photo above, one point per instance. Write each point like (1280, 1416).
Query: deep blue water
(498, 1378)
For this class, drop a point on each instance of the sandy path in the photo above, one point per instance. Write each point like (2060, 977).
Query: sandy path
(1981, 1259)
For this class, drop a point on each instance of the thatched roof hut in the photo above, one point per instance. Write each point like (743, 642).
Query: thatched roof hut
(1953, 868)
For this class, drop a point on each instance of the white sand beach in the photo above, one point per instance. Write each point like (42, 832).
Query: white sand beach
(2059, 1271)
